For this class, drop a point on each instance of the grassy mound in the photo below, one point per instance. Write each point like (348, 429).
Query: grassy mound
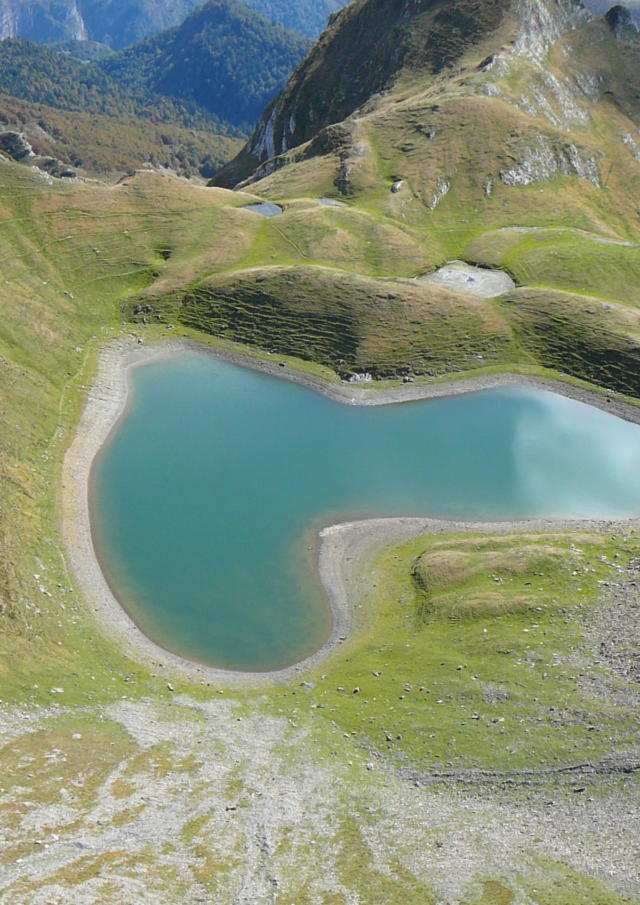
(476, 654)
(448, 578)
(350, 323)
(579, 336)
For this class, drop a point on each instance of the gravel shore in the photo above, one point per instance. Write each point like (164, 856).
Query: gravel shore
(344, 551)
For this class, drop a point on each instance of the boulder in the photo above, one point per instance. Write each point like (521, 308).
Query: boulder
(15, 145)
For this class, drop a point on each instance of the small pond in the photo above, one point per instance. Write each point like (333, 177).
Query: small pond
(265, 209)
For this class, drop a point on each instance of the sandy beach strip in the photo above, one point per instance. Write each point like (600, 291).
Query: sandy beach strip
(346, 551)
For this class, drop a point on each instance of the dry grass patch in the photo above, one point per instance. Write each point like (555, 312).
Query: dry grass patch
(445, 577)
(441, 568)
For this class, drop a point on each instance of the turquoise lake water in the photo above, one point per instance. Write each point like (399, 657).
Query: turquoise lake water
(209, 494)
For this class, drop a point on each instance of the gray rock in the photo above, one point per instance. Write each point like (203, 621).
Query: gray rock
(476, 281)
(15, 145)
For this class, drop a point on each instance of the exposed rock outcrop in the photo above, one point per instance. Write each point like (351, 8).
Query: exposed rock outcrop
(15, 145)
(622, 24)
(541, 160)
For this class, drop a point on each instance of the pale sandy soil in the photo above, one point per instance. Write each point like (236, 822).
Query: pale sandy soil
(478, 281)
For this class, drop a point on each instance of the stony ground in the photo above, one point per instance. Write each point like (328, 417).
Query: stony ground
(192, 803)
(227, 796)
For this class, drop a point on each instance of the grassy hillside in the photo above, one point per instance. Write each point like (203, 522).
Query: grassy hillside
(475, 740)
(461, 153)
(349, 323)
(395, 328)
(70, 254)
(368, 46)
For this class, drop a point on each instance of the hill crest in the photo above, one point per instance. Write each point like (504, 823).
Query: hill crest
(418, 43)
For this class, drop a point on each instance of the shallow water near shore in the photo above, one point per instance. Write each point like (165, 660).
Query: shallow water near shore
(204, 496)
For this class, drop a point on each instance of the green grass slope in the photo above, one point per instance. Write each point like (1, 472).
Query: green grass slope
(69, 255)
(349, 323)
(468, 660)
(476, 739)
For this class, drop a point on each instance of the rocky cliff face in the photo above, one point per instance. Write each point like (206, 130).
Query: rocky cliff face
(42, 21)
(116, 23)
(542, 23)
(373, 45)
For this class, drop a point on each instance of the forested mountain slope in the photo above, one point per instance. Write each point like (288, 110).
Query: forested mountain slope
(39, 74)
(224, 57)
(213, 74)
(224, 63)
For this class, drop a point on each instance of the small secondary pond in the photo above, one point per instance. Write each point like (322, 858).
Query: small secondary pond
(210, 492)
(265, 209)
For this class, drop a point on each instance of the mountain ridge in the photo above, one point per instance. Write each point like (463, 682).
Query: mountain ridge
(334, 81)
(39, 74)
(224, 57)
(120, 23)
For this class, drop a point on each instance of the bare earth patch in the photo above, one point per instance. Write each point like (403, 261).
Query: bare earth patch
(486, 284)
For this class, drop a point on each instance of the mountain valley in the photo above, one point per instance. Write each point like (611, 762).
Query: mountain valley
(189, 77)
(473, 737)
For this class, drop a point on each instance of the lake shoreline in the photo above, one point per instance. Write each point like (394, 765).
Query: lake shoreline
(376, 394)
(345, 550)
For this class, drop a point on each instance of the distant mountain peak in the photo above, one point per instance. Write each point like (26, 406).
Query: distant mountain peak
(120, 23)
(225, 57)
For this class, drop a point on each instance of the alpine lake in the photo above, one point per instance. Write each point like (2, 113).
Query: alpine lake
(207, 500)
